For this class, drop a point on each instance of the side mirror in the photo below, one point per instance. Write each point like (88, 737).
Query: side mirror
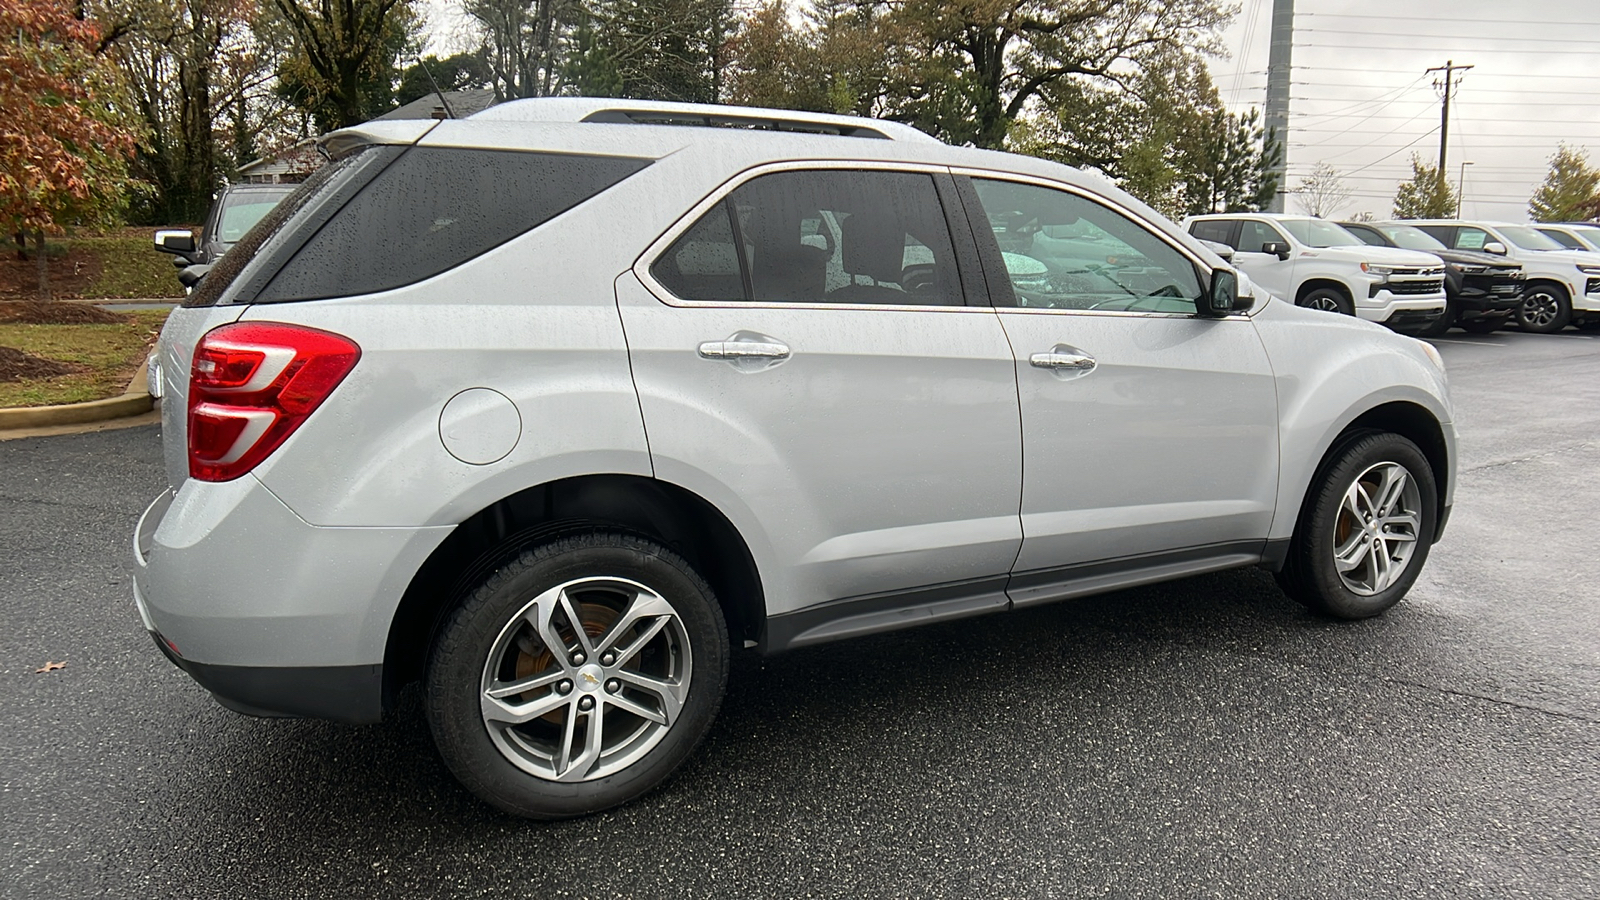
(1495, 247)
(1222, 250)
(174, 241)
(1276, 248)
(191, 276)
(1222, 296)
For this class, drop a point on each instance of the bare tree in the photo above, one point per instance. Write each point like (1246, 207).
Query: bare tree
(526, 42)
(1322, 193)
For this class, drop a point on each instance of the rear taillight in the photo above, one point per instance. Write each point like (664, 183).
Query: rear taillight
(251, 386)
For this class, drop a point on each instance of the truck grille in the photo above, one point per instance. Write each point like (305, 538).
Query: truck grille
(1416, 287)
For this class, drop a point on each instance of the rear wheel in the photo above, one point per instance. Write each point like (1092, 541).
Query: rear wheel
(1328, 300)
(1366, 530)
(1545, 309)
(578, 677)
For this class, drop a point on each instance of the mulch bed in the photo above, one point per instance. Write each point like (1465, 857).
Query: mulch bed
(16, 365)
(34, 312)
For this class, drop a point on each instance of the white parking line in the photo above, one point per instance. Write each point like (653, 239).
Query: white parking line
(1496, 345)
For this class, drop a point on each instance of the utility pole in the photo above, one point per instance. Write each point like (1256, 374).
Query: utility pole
(1278, 78)
(1449, 69)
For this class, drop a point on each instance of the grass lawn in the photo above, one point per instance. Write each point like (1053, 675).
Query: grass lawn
(129, 266)
(112, 352)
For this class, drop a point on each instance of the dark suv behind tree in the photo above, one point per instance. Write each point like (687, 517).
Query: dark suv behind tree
(1482, 289)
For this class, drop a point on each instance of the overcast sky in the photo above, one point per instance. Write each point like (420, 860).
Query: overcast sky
(1361, 102)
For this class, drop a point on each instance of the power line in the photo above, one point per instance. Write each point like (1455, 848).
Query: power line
(1452, 37)
(1431, 19)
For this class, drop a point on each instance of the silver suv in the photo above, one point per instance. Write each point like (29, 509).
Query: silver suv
(552, 407)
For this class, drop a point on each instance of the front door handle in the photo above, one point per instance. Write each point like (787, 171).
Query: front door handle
(1064, 360)
(744, 349)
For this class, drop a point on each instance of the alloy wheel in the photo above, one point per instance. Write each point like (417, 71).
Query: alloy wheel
(1376, 532)
(586, 679)
(1540, 309)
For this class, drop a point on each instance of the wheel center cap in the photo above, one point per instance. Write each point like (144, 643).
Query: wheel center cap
(590, 678)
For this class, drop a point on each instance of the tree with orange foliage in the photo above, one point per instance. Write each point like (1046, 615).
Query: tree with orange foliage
(64, 144)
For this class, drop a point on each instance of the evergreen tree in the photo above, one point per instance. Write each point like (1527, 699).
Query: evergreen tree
(1570, 192)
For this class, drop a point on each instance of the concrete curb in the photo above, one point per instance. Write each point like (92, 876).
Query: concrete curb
(135, 401)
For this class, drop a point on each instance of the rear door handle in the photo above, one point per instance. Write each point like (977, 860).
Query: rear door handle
(743, 349)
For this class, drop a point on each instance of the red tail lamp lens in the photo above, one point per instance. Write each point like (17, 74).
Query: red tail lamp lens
(252, 384)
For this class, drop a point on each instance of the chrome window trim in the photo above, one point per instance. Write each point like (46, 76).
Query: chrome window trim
(653, 252)
(1133, 216)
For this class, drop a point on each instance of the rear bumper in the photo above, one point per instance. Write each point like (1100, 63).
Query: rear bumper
(271, 614)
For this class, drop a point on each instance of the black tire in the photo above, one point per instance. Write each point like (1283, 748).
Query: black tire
(1310, 575)
(1545, 308)
(1441, 325)
(487, 641)
(1330, 300)
(1482, 326)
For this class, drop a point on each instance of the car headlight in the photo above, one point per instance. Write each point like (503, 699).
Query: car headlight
(1589, 270)
(1433, 354)
(1380, 271)
(1473, 270)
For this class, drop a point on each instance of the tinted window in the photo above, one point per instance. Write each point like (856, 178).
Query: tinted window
(1254, 235)
(1444, 234)
(305, 209)
(1412, 238)
(435, 208)
(1367, 235)
(1562, 238)
(1212, 230)
(829, 236)
(1063, 251)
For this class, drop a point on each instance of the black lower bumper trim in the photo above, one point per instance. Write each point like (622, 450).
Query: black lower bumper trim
(351, 694)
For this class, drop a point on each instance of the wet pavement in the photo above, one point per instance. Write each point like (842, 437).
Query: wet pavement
(1205, 737)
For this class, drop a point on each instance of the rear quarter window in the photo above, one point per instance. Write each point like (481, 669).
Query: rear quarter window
(433, 209)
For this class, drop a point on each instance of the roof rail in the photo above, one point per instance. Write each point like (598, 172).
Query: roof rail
(643, 112)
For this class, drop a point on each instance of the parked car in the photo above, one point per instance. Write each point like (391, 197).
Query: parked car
(1316, 264)
(1562, 287)
(234, 210)
(1483, 290)
(1573, 235)
(552, 407)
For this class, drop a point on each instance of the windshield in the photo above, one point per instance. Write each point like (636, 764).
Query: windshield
(1317, 233)
(1412, 238)
(1528, 239)
(243, 209)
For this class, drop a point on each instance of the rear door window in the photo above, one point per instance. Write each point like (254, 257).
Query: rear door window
(823, 236)
(1215, 230)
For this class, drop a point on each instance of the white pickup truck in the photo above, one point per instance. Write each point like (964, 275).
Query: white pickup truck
(1563, 285)
(1316, 263)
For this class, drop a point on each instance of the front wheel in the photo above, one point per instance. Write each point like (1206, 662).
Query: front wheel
(1440, 326)
(1545, 309)
(578, 676)
(1328, 300)
(1366, 530)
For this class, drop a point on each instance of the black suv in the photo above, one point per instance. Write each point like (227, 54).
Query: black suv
(1482, 290)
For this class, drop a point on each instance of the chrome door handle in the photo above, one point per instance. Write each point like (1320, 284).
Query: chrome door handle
(1063, 359)
(737, 350)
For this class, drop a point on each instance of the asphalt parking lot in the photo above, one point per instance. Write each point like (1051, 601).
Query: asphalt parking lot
(1200, 738)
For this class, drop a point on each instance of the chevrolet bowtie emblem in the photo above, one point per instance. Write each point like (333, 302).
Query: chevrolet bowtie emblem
(590, 678)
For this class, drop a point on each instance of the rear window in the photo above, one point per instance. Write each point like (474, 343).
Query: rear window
(298, 214)
(435, 208)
